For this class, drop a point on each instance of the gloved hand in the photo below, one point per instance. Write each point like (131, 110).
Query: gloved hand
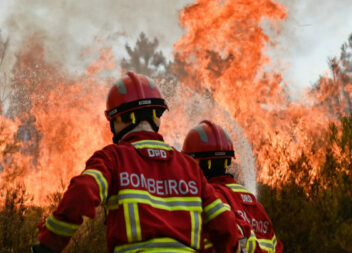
(40, 248)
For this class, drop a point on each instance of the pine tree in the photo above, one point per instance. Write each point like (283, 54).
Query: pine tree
(336, 92)
(144, 57)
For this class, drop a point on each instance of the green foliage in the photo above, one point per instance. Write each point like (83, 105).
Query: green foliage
(314, 214)
(91, 233)
(18, 222)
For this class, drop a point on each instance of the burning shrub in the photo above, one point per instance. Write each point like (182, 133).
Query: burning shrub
(316, 216)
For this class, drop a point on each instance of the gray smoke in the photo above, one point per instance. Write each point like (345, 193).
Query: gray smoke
(69, 29)
(313, 31)
(191, 108)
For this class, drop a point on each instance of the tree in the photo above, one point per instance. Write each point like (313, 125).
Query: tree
(316, 215)
(335, 93)
(145, 59)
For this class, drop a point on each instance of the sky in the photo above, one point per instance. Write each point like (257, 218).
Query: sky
(314, 30)
(70, 27)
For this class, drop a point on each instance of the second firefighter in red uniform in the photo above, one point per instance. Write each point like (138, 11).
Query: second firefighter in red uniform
(211, 145)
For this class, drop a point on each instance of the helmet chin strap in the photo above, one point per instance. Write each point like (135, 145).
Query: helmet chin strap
(117, 136)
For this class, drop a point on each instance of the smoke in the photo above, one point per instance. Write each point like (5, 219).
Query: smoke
(71, 31)
(187, 109)
(313, 31)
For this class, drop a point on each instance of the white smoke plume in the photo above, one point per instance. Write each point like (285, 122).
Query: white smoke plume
(313, 31)
(68, 29)
(195, 107)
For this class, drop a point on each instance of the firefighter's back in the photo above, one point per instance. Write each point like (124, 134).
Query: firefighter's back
(245, 204)
(154, 199)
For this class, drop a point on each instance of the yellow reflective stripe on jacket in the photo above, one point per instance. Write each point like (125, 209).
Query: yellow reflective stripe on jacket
(214, 209)
(207, 244)
(60, 227)
(227, 206)
(133, 226)
(237, 188)
(151, 144)
(268, 245)
(101, 181)
(251, 243)
(144, 197)
(196, 222)
(155, 245)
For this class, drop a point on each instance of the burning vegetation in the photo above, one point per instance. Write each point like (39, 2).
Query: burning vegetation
(299, 152)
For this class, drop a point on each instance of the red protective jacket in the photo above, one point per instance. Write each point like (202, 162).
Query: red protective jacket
(262, 237)
(157, 199)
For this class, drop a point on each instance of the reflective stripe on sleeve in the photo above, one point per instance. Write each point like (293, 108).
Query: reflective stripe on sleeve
(151, 144)
(214, 209)
(268, 245)
(133, 226)
(196, 222)
(155, 245)
(237, 188)
(227, 206)
(251, 243)
(60, 227)
(101, 181)
(144, 197)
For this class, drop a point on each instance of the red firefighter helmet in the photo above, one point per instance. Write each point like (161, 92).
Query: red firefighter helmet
(133, 91)
(208, 141)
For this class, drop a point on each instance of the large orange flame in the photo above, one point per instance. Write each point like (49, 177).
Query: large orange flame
(223, 52)
(69, 121)
(220, 62)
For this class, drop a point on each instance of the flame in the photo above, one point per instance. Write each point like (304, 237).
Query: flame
(69, 122)
(220, 62)
(223, 52)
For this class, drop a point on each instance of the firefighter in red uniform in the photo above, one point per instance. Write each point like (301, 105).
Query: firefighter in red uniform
(156, 201)
(212, 147)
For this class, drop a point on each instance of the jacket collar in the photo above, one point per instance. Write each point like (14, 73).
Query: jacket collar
(142, 135)
(223, 179)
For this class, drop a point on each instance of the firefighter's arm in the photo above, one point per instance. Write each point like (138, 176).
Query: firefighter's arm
(219, 221)
(84, 194)
(269, 242)
(248, 242)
